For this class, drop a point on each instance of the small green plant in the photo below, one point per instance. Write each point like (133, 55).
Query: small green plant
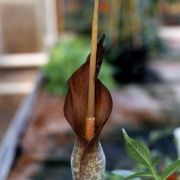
(139, 152)
(65, 57)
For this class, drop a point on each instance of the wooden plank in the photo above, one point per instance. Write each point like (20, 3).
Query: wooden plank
(23, 60)
(169, 32)
(15, 88)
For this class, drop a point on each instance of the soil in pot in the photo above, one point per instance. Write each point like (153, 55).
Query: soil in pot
(131, 65)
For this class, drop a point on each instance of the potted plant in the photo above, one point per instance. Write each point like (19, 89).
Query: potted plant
(133, 34)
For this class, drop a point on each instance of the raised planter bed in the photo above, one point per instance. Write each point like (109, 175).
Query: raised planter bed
(13, 135)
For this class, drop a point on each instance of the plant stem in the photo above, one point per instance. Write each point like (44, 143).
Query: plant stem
(114, 21)
(154, 172)
(90, 120)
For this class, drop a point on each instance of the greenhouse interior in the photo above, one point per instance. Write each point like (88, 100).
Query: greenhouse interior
(89, 90)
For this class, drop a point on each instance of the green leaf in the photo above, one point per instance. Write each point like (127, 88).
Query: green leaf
(171, 169)
(111, 176)
(141, 174)
(137, 150)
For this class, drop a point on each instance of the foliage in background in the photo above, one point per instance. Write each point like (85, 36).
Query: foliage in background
(139, 152)
(139, 22)
(112, 176)
(79, 16)
(130, 21)
(65, 57)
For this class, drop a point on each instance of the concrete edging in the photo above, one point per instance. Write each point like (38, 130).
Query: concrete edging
(15, 130)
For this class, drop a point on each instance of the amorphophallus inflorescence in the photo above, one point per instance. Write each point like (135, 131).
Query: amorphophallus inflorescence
(87, 107)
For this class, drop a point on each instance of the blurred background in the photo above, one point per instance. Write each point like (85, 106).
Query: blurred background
(42, 42)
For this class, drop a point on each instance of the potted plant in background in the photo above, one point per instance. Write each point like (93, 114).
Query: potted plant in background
(133, 34)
